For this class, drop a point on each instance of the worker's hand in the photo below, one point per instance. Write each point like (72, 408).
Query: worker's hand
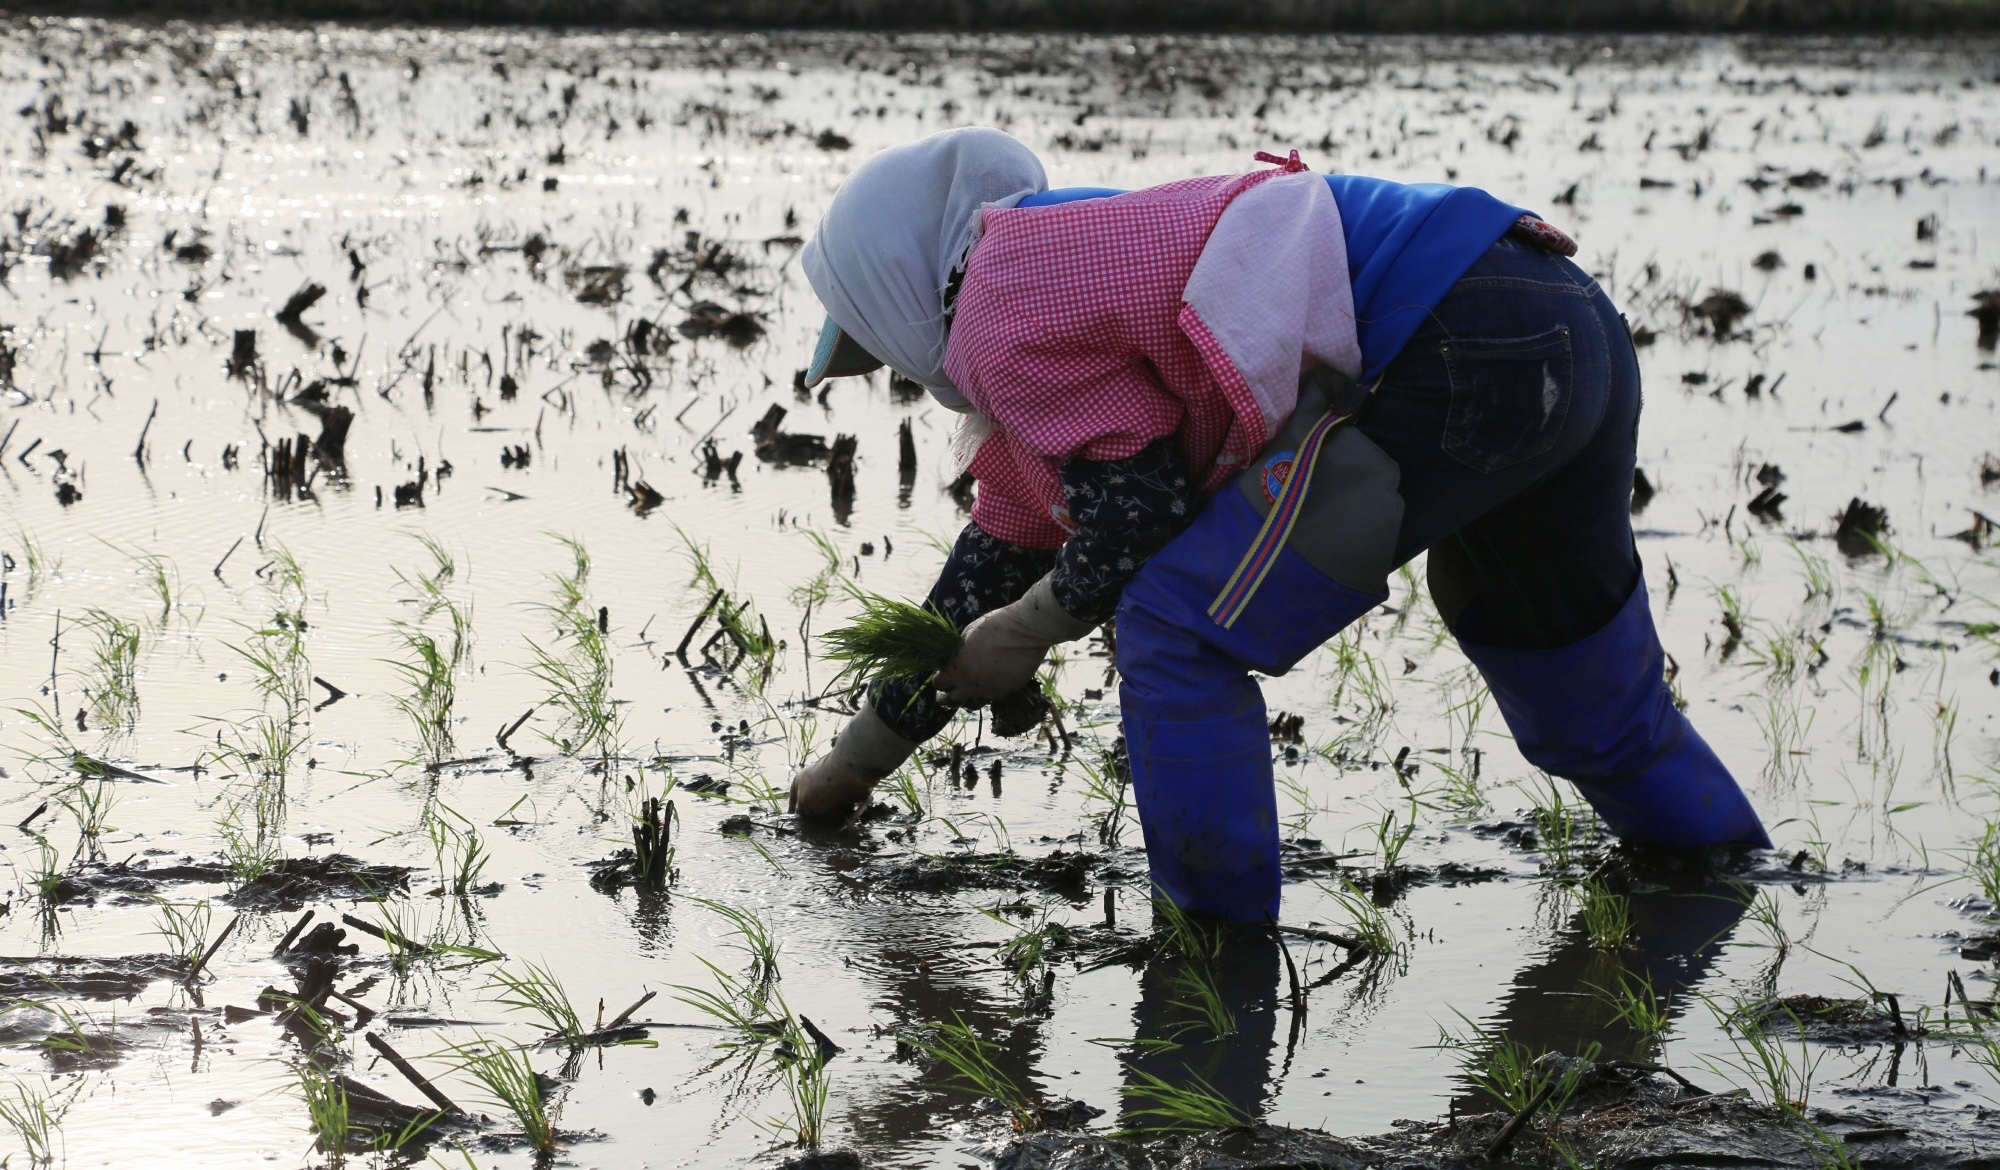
(865, 752)
(1000, 656)
(1003, 649)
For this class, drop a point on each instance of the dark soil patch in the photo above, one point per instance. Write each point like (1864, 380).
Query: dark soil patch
(1623, 1115)
(1063, 873)
(80, 977)
(1834, 1021)
(287, 885)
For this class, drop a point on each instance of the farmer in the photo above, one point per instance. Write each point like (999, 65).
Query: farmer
(1225, 410)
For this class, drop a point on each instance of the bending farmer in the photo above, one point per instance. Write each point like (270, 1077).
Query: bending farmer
(1225, 410)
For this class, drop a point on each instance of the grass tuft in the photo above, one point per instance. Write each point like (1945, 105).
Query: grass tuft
(504, 1072)
(1164, 1107)
(960, 1049)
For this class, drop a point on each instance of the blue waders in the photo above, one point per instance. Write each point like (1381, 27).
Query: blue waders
(1507, 425)
(1598, 712)
(1196, 732)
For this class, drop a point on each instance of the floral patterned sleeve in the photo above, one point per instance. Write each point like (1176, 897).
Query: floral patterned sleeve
(1125, 510)
(982, 574)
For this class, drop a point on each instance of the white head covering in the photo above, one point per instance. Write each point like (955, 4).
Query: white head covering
(898, 226)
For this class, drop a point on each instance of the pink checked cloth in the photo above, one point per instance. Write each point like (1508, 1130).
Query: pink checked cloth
(1078, 333)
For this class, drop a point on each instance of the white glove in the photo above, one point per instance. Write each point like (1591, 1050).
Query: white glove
(1003, 649)
(862, 755)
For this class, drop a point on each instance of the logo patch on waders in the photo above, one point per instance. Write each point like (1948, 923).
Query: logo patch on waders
(1277, 472)
(1285, 488)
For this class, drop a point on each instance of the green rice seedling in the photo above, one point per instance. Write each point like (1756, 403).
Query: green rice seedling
(1764, 912)
(653, 821)
(430, 691)
(326, 1108)
(1944, 729)
(1786, 724)
(80, 1040)
(537, 992)
(89, 804)
(1459, 794)
(578, 681)
(160, 578)
(460, 856)
(410, 939)
(33, 1123)
(753, 938)
(1304, 807)
(1198, 996)
(275, 654)
(819, 586)
(40, 563)
(1362, 920)
(993, 823)
(1027, 951)
(184, 926)
(1735, 619)
(743, 1010)
(426, 594)
(1783, 1075)
(903, 784)
(251, 827)
(1511, 1073)
(961, 1050)
(1165, 1107)
(1392, 833)
(1779, 652)
(1983, 1049)
(1563, 831)
(806, 1080)
(1178, 934)
(1819, 582)
(1607, 915)
(892, 639)
(112, 684)
(736, 619)
(1360, 677)
(1104, 782)
(47, 875)
(504, 1072)
(1983, 864)
(1636, 1005)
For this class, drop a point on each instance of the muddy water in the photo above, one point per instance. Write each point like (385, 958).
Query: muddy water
(516, 232)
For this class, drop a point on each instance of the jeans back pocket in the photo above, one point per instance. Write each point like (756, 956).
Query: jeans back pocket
(1509, 397)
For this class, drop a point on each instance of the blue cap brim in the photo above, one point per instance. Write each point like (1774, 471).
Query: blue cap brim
(838, 356)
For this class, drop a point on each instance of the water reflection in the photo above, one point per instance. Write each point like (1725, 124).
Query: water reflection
(1679, 928)
(1175, 1030)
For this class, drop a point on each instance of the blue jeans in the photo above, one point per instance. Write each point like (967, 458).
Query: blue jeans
(1513, 414)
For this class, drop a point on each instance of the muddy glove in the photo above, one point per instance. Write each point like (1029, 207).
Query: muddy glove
(1003, 649)
(864, 753)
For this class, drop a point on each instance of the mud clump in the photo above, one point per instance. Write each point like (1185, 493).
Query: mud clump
(1063, 873)
(1860, 529)
(1721, 311)
(1986, 313)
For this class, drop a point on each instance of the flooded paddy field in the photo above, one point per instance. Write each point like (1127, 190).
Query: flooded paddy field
(407, 519)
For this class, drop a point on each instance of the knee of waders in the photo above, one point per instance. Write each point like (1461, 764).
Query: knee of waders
(1166, 629)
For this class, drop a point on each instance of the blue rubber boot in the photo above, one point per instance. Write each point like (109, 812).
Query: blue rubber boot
(1196, 732)
(1597, 712)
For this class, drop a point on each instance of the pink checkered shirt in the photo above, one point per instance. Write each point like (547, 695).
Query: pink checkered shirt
(1070, 336)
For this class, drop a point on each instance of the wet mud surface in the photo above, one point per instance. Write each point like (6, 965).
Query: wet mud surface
(413, 549)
